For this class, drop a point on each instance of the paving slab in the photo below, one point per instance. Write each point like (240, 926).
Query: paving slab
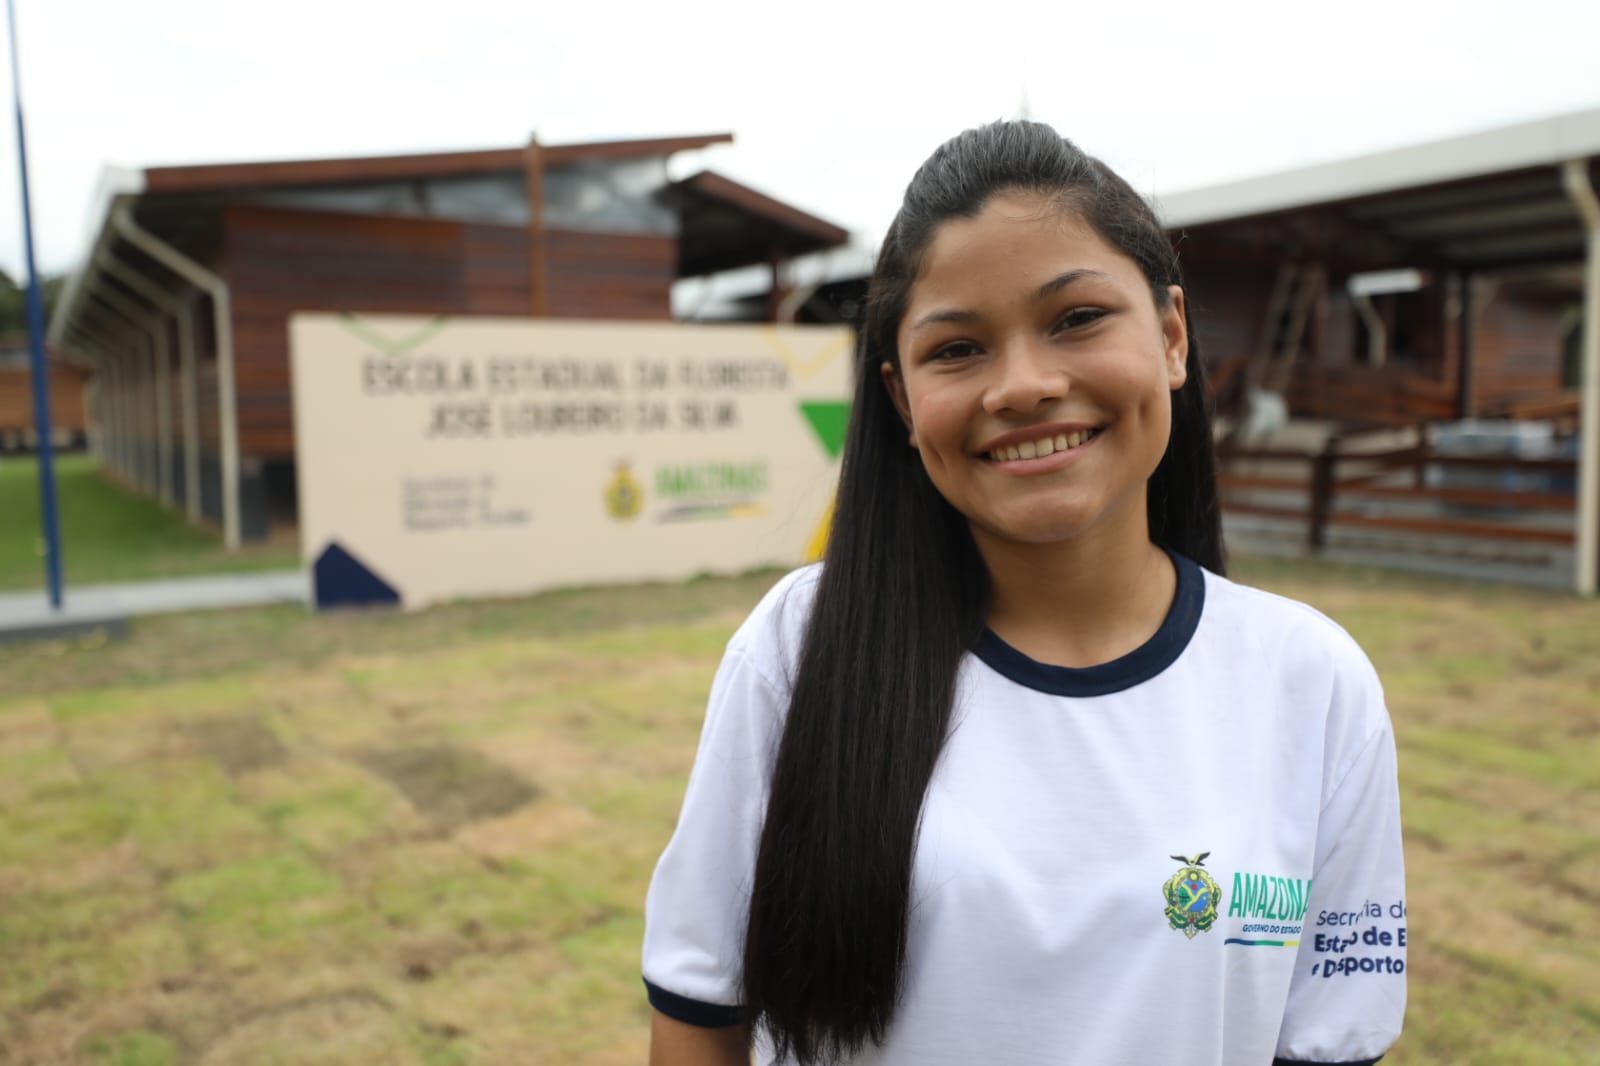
(28, 615)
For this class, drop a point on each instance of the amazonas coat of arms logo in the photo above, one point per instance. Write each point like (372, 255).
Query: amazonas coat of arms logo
(1191, 897)
(624, 495)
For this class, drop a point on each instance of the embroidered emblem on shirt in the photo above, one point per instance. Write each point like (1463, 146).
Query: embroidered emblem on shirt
(1191, 897)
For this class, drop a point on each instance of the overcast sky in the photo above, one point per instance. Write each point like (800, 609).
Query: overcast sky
(832, 105)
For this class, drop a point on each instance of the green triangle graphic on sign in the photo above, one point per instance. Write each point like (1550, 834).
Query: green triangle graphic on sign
(828, 419)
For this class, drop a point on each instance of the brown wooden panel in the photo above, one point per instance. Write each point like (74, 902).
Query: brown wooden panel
(278, 262)
(582, 246)
(1517, 345)
(1457, 527)
(1538, 501)
(1265, 511)
(67, 386)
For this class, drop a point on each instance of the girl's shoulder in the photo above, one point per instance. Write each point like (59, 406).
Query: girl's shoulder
(1302, 664)
(1278, 631)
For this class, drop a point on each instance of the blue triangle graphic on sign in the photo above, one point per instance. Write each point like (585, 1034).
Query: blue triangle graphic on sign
(339, 579)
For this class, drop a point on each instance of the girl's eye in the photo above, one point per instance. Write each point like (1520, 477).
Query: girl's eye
(1079, 317)
(953, 350)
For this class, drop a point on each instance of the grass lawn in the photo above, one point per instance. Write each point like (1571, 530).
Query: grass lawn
(271, 837)
(109, 533)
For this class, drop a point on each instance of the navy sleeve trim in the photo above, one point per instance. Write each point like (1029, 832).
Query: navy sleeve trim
(692, 1011)
(1306, 1062)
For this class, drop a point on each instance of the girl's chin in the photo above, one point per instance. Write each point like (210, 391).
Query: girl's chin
(1058, 525)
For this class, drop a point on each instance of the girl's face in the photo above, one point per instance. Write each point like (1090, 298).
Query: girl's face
(1035, 374)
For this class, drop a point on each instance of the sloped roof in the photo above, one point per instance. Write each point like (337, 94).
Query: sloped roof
(724, 222)
(223, 177)
(1484, 201)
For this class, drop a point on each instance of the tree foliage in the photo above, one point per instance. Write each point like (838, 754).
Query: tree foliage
(14, 302)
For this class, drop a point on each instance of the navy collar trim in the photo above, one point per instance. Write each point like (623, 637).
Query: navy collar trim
(1138, 666)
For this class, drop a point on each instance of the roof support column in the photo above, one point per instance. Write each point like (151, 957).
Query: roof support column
(775, 291)
(111, 405)
(222, 308)
(93, 422)
(113, 439)
(1466, 338)
(189, 387)
(100, 440)
(141, 423)
(111, 433)
(157, 383)
(122, 465)
(180, 312)
(1575, 173)
(128, 413)
(142, 418)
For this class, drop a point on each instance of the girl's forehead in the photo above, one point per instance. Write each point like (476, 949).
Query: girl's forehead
(1016, 234)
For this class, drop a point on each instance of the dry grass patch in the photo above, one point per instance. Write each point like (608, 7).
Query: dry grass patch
(267, 837)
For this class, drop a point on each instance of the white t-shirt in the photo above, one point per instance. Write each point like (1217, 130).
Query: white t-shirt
(1188, 855)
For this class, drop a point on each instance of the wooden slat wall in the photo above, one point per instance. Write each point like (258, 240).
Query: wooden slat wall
(1517, 343)
(605, 275)
(1227, 305)
(278, 262)
(1518, 351)
(1388, 395)
(66, 398)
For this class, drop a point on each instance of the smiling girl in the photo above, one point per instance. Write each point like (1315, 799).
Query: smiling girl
(1016, 775)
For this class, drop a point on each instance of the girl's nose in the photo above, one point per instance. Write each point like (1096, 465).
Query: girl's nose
(1026, 375)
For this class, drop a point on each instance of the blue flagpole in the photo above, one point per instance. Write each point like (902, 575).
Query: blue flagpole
(41, 373)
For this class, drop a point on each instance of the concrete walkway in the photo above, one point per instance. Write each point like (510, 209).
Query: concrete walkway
(28, 615)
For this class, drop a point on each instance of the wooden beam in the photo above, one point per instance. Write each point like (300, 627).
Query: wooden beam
(1454, 527)
(538, 278)
(775, 289)
(1510, 498)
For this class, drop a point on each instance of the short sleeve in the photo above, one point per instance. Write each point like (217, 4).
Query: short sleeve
(1348, 994)
(697, 906)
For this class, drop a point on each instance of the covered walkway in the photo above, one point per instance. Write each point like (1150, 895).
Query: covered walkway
(1444, 281)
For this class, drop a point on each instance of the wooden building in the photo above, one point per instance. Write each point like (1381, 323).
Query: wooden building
(1446, 281)
(1436, 282)
(68, 386)
(182, 302)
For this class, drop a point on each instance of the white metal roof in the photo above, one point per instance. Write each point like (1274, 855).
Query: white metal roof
(1543, 142)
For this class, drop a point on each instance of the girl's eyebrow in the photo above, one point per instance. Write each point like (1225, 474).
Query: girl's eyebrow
(1061, 281)
(936, 318)
(1043, 292)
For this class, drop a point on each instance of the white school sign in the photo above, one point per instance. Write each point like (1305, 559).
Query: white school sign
(443, 459)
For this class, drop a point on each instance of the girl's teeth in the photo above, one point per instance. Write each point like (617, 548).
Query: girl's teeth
(1038, 449)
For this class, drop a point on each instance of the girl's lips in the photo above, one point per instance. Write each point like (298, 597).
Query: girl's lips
(1052, 430)
(1044, 464)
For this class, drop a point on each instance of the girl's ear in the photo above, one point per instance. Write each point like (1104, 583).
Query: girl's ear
(1175, 333)
(897, 392)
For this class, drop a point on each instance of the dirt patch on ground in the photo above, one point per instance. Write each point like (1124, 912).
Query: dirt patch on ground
(355, 1025)
(451, 785)
(241, 744)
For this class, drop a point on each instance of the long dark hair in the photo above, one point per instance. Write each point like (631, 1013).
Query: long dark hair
(902, 596)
